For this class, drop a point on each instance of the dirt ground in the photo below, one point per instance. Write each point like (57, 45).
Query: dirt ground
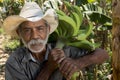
(3, 58)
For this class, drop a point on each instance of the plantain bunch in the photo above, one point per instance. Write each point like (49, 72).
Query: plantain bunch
(69, 31)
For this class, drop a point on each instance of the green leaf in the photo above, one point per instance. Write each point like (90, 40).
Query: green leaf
(75, 75)
(96, 13)
(99, 18)
(81, 2)
(91, 1)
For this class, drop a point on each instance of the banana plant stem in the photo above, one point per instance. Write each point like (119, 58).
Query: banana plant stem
(60, 44)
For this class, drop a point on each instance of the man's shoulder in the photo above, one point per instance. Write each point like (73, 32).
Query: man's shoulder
(17, 54)
(19, 51)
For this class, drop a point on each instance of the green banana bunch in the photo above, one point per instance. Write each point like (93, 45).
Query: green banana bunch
(66, 28)
(69, 31)
(85, 44)
(69, 25)
(81, 35)
(76, 15)
(84, 33)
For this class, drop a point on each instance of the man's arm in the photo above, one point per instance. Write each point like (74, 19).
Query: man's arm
(96, 57)
(48, 68)
(46, 72)
(68, 65)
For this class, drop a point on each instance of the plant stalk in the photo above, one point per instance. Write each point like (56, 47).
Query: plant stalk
(60, 44)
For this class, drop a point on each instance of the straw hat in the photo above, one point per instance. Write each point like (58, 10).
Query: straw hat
(30, 12)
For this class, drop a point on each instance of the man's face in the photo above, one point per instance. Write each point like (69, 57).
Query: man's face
(34, 35)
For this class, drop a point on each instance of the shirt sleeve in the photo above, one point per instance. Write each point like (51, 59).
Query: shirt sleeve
(75, 52)
(13, 71)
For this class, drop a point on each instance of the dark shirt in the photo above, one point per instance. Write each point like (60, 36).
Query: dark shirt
(22, 66)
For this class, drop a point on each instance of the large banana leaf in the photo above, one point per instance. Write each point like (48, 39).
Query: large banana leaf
(98, 17)
(80, 2)
(96, 14)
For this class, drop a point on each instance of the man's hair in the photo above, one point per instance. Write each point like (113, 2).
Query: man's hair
(46, 23)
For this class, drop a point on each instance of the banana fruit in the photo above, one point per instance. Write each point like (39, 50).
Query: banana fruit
(84, 33)
(84, 44)
(69, 31)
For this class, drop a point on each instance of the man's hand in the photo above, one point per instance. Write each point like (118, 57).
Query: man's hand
(58, 55)
(68, 67)
(54, 58)
(51, 63)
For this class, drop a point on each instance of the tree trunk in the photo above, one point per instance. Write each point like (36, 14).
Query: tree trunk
(116, 39)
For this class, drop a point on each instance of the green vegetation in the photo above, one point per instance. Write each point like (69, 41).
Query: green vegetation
(11, 45)
(1, 31)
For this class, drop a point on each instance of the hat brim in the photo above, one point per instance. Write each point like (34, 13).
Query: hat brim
(11, 23)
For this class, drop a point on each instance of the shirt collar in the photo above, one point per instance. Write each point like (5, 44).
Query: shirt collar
(28, 56)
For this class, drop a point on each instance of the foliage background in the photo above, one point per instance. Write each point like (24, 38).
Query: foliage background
(96, 11)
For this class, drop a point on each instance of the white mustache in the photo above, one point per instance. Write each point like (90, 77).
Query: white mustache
(37, 41)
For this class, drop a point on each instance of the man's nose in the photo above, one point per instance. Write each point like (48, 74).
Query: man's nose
(35, 34)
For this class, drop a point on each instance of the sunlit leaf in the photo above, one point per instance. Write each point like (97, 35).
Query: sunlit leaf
(91, 1)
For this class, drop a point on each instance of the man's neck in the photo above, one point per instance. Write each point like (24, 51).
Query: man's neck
(39, 56)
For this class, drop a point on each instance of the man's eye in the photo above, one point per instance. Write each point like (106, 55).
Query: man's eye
(40, 28)
(26, 30)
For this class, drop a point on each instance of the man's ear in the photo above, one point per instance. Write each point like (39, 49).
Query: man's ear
(18, 32)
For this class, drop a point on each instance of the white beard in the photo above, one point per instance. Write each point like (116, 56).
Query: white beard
(36, 42)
